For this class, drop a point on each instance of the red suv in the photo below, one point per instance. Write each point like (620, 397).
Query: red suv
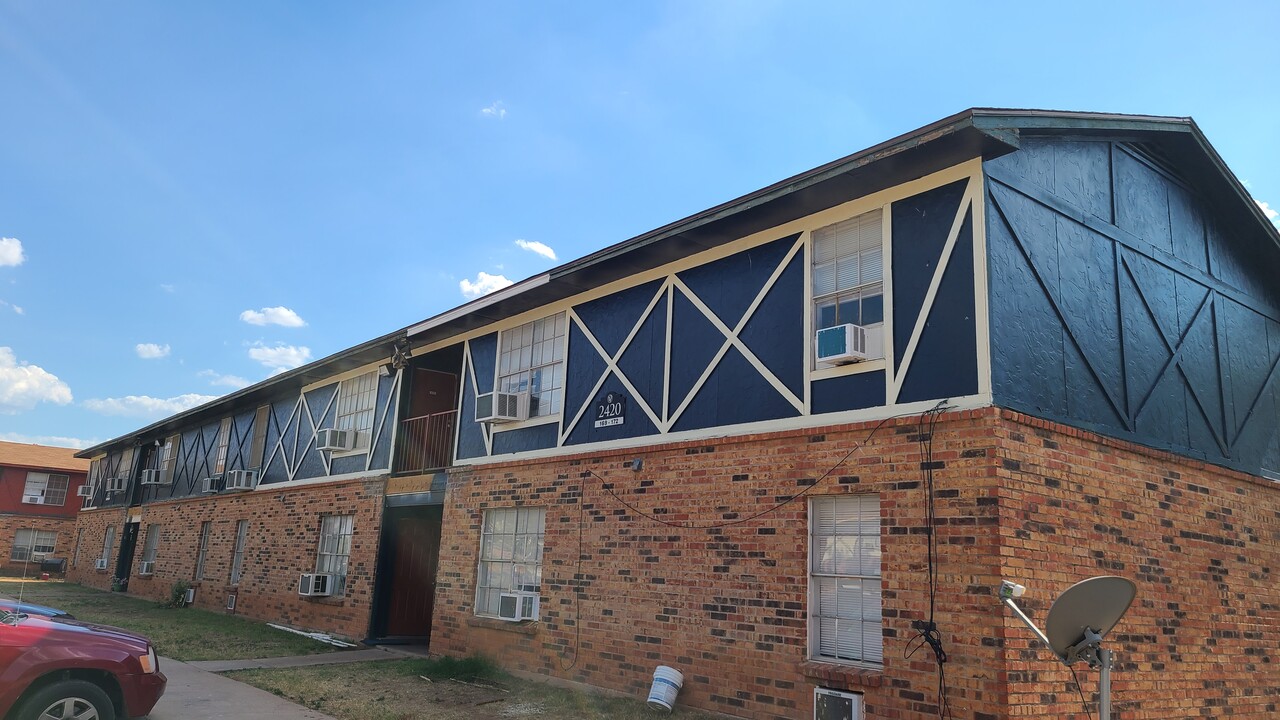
(54, 669)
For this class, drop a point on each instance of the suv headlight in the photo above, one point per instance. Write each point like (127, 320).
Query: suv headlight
(148, 661)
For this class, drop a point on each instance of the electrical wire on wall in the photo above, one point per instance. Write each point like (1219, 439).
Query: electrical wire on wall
(577, 583)
(927, 630)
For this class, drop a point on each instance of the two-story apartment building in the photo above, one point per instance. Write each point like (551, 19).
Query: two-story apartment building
(794, 443)
(38, 504)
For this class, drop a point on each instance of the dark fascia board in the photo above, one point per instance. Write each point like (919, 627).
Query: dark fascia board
(273, 387)
(906, 157)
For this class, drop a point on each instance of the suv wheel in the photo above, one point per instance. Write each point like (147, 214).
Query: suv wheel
(67, 700)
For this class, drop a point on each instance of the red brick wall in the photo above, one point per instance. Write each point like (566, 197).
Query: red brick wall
(1202, 544)
(1016, 497)
(727, 606)
(9, 526)
(283, 537)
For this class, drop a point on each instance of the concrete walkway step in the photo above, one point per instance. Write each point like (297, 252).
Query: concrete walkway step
(333, 658)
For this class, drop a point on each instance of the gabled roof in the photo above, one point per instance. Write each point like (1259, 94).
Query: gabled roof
(41, 457)
(985, 133)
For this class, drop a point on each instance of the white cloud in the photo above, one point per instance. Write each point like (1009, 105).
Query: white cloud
(273, 316)
(168, 287)
(482, 285)
(1267, 210)
(22, 385)
(18, 309)
(534, 246)
(52, 440)
(496, 110)
(145, 406)
(11, 252)
(280, 357)
(217, 379)
(151, 351)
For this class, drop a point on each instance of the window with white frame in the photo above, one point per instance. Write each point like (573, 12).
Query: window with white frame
(335, 547)
(356, 399)
(237, 553)
(510, 555)
(205, 528)
(29, 544)
(45, 489)
(848, 277)
(151, 545)
(531, 359)
(108, 539)
(224, 442)
(845, 624)
(75, 554)
(169, 457)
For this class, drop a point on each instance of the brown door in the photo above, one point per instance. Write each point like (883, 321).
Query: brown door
(433, 392)
(426, 436)
(415, 551)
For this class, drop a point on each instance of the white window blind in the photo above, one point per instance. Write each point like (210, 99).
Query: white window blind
(848, 272)
(356, 399)
(510, 555)
(844, 569)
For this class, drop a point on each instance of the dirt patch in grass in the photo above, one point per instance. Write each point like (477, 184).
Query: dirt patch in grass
(441, 689)
(183, 634)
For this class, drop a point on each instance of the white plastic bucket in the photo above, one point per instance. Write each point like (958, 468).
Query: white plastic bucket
(667, 681)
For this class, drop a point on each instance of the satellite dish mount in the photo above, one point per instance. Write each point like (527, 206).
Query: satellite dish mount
(1078, 621)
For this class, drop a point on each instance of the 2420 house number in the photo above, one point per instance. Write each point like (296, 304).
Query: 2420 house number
(612, 410)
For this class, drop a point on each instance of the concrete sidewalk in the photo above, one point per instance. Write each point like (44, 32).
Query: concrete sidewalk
(333, 658)
(195, 693)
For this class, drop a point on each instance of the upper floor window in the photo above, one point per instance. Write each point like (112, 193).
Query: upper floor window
(848, 277)
(356, 399)
(45, 489)
(531, 359)
(224, 442)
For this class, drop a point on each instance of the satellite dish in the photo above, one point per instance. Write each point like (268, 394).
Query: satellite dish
(1096, 604)
(1077, 622)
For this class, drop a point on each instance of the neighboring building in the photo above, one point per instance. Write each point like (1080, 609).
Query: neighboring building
(1066, 331)
(38, 504)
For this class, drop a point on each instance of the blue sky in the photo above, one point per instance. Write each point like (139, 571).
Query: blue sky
(196, 195)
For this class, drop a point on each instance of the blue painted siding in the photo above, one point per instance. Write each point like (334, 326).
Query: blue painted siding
(1121, 303)
(737, 351)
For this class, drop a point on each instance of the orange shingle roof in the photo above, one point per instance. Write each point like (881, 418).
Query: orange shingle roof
(41, 457)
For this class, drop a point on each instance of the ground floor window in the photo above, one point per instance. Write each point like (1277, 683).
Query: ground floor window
(108, 539)
(335, 547)
(845, 622)
(237, 554)
(149, 549)
(29, 543)
(510, 555)
(203, 549)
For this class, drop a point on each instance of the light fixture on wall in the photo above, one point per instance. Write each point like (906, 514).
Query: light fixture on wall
(1077, 622)
(400, 355)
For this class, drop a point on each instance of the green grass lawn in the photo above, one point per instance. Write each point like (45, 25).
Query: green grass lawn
(182, 634)
(440, 689)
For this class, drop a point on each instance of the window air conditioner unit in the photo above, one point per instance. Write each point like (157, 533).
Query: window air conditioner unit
(100, 564)
(335, 439)
(84, 491)
(189, 596)
(152, 477)
(33, 499)
(211, 484)
(518, 606)
(231, 602)
(147, 567)
(315, 584)
(836, 705)
(116, 484)
(242, 480)
(844, 344)
(502, 407)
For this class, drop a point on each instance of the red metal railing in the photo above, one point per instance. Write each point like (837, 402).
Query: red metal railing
(426, 442)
